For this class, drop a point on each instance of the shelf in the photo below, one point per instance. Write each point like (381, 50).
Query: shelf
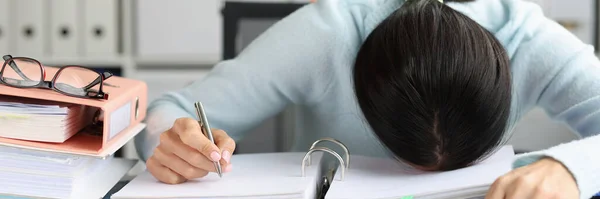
(168, 61)
(92, 62)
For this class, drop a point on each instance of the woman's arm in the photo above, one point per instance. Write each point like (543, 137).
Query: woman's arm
(553, 69)
(286, 64)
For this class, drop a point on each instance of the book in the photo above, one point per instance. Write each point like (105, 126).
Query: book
(24, 119)
(309, 175)
(38, 174)
(119, 117)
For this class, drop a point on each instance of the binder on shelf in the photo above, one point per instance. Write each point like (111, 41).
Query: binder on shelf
(64, 29)
(5, 21)
(332, 175)
(30, 31)
(100, 28)
(120, 116)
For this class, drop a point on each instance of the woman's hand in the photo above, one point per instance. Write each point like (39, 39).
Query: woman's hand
(185, 153)
(544, 179)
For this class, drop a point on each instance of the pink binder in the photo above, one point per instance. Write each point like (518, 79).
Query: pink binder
(123, 114)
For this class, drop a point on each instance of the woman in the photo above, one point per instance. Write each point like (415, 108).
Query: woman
(436, 85)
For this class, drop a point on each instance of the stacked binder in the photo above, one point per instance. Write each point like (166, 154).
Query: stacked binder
(56, 146)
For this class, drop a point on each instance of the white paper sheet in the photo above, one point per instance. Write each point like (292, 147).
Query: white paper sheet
(386, 178)
(275, 175)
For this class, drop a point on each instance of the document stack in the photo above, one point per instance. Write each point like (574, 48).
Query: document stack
(31, 172)
(28, 173)
(330, 175)
(57, 146)
(58, 121)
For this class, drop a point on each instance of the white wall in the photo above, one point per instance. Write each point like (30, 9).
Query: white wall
(180, 28)
(537, 131)
(578, 12)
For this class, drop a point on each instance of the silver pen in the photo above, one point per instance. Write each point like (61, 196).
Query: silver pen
(206, 131)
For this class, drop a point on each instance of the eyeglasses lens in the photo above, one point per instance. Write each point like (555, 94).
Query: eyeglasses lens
(77, 81)
(22, 73)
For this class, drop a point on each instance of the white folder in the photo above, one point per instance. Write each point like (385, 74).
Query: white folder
(30, 32)
(287, 175)
(100, 28)
(4, 27)
(64, 32)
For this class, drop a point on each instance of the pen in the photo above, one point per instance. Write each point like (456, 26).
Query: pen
(206, 131)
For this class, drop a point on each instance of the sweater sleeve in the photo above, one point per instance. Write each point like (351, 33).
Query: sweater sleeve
(286, 64)
(554, 70)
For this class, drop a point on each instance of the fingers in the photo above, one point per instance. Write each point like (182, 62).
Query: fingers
(190, 133)
(519, 183)
(170, 142)
(163, 173)
(225, 143)
(498, 188)
(178, 165)
(185, 153)
(538, 180)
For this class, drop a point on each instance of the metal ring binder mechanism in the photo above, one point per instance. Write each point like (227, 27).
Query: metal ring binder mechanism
(344, 164)
(336, 142)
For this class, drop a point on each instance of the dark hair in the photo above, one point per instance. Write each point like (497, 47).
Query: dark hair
(434, 86)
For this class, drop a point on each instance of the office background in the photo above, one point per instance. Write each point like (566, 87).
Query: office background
(169, 44)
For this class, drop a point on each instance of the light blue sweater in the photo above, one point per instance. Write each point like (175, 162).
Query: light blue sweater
(306, 59)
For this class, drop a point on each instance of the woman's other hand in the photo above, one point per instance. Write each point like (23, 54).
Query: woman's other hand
(185, 153)
(544, 179)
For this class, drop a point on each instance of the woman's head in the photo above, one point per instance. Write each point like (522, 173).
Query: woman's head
(434, 86)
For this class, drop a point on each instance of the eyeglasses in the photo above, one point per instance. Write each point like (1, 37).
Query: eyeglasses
(72, 80)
